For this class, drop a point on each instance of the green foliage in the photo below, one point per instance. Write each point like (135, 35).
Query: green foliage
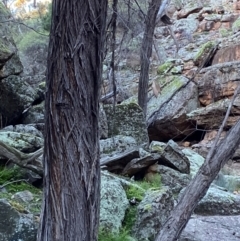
(9, 179)
(108, 236)
(135, 192)
(224, 32)
(138, 191)
(9, 174)
(130, 217)
(46, 19)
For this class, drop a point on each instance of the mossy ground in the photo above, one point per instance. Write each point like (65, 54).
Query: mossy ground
(106, 236)
(136, 192)
(11, 182)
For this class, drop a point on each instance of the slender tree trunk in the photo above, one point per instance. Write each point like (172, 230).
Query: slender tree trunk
(199, 186)
(146, 52)
(70, 210)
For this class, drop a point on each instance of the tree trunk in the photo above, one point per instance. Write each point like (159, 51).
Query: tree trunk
(146, 52)
(199, 186)
(70, 210)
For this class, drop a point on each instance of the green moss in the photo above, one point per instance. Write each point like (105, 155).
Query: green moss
(42, 85)
(147, 207)
(224, 32)
(203, 50)
(22, 186)
(9, 174)
(164, 68)
(135, 192)
(173, 85)
(157, 148)
(138, 191)
(108, 236)
(236, 24)
(9, 178)
(130, 218)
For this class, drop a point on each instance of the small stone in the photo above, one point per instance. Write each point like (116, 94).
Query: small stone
(24, 196)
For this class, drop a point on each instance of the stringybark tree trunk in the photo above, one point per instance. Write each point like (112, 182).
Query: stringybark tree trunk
(70, 210)
(146, 52)
(199, 186)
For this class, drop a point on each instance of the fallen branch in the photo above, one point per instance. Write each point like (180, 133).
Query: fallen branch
(19, 158)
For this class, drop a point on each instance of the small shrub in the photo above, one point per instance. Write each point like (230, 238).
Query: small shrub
(9, 179)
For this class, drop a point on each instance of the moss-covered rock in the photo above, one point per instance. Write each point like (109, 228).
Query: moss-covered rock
(21, 141)
(166, 114)
(203, 52)
(16, 226)
(114, 203)
(127, 120)
(8, 50)
(152, 212)
(236, 25)
(171, 66)
(164, 68)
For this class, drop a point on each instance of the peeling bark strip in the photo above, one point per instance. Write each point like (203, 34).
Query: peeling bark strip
(70, 210)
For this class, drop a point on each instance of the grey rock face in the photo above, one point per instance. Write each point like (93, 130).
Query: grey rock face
(128, 120)
(214, 228)
(219, 202)
(24, 196)
(22, 142)
(116, 144)
(15, 226)
(174, 157)
(114, 203)
(195, 160)
(26, 129)
(152, 213)
(166, 114)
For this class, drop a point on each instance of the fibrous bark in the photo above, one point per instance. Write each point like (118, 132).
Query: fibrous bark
(70, 210)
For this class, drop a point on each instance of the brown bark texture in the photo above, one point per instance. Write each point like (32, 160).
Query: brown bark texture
(70, 210)
(146, 53)
(199, 186)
